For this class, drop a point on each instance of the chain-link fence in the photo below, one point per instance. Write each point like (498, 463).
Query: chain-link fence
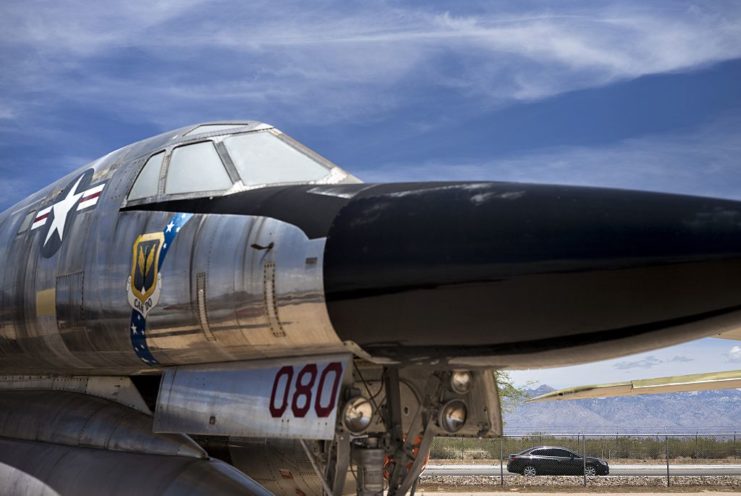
(699, 459)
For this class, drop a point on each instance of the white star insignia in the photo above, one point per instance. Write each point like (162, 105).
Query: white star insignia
(62, 209)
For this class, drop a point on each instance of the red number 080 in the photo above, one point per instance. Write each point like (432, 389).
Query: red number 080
(300, 402)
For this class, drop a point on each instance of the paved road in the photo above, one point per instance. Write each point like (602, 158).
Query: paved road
(614, 470)
(644, 492)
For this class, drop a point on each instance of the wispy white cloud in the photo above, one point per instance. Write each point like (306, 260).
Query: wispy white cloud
(331, 62)
(705, 355)
(702, 161)
(734, 355)
(644, 363)
(6, 111)
(681, 359)
(170, 63)
(83, 28)
(11, 186)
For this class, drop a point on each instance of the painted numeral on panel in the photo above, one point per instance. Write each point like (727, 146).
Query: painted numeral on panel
(321, 410)
(285, 373)
(302, 397)
(304, 382)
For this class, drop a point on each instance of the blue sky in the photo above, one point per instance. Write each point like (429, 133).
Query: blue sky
(643, 95)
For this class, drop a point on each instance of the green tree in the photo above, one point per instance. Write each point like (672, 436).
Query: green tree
(510, 396)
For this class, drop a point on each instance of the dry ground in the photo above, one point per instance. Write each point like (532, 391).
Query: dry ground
(611, 461)
(574, 484)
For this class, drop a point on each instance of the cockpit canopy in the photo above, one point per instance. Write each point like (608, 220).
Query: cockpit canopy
(219, 159)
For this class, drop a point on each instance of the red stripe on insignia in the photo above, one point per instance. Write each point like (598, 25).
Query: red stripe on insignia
(90, 197)
(41, 217)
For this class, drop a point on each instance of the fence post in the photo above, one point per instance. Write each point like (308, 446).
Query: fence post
(501, 460)
(666, 449)
(584, 458)
(617, 444)
(734, 446)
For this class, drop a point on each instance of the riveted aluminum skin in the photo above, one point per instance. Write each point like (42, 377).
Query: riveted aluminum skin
(74, 419)
(79, 471)
(258, 398)
(117, 389)
(224, 294)
(464, 274)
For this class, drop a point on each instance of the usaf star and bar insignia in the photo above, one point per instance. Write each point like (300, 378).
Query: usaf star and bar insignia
(56, 219)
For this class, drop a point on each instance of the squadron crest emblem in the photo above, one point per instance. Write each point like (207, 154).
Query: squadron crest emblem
(145, 280)
(144, 284)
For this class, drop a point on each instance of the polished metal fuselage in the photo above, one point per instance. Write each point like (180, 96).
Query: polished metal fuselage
(460, 275)
(322, 292)
(224, 295)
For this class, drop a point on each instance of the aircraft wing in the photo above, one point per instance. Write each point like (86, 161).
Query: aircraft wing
(734, 334)
(673, 384)
(221, 291)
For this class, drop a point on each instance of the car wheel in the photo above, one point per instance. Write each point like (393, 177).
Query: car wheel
(590, 471)
(529, 471)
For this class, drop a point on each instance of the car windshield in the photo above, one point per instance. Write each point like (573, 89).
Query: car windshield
(263, 158)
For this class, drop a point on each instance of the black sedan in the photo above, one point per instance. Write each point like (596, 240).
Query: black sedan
(553, 460)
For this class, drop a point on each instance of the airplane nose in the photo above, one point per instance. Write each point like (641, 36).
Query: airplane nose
(498, 269)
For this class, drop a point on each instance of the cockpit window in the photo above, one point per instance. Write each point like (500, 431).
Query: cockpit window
(212, 128)
(196, 167)
(263, 158)
(146, 184)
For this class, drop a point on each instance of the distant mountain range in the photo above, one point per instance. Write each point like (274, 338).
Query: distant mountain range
(677, 413)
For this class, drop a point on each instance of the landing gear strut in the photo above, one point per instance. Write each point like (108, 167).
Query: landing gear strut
(390, 417)
(398, 454)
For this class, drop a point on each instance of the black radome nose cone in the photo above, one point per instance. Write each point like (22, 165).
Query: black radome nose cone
(513, 270)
